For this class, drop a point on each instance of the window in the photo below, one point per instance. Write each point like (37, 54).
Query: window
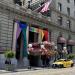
(31, 0)
(68, 10)
(33, 37)
(59, 6)
(60, 20)
(69, 36)
(74, 13)
(69, 24)
(29, 4)
(48, 13)
(74, 2)
(68, 1)
(18, 2)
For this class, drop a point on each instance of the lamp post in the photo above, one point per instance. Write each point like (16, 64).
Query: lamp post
(65, 49)
(42, 47)
(41, 60)
(55, 47)
(64, 52)
(55, 53)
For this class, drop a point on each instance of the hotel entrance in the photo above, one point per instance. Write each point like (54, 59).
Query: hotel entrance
(36, 36)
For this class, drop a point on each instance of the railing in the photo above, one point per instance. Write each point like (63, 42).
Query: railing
(36, 4)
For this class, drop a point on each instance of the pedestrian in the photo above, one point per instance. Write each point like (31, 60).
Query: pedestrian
(47, 61)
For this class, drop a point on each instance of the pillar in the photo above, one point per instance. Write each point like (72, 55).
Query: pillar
(14, 37)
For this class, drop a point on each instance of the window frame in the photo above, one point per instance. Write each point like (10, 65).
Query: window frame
(69, 24)
(74, 2)
(68, 1)
(60, 20)
(68, 11)
(59, 6)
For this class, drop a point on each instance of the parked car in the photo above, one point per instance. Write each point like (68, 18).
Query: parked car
(63, 63)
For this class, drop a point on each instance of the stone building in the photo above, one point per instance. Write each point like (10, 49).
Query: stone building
(58, 24)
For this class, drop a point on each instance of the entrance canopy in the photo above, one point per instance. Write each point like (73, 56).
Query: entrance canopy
(70, 42)
(61, 40)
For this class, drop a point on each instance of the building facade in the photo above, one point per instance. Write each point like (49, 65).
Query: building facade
(59, 27)
(66, 7)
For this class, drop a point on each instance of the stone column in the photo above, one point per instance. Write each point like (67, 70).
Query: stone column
(14, 43)
(14, 37)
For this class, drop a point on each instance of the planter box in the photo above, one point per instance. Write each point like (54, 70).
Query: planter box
(9, 67)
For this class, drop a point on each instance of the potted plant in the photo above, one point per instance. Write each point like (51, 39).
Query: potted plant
(71, 56)
(9, 65)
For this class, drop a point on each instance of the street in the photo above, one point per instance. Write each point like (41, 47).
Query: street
(43, 71)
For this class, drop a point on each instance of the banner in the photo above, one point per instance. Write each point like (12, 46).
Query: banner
(18, 31)
(32, 29)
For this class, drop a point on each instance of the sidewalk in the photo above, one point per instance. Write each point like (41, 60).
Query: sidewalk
(21, 70)
(41, 71)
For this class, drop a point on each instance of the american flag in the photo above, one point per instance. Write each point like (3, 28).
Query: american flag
(45, 8)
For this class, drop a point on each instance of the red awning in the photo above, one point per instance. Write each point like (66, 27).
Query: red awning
(70, 42)
(61, 40)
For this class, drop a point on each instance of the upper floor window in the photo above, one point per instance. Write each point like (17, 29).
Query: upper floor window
(31, 0)
(29, 4)
(48, 13)
(74, 2)
(68, 1)
(74, 13)
(18, 2)
(69, 24)
(69, 36)
(59, 6)
(60, 20)
(68, 10)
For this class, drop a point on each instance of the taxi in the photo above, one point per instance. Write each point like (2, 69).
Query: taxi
(63, 63)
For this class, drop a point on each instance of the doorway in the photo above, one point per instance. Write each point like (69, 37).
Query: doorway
(33, 38)
(18, 46)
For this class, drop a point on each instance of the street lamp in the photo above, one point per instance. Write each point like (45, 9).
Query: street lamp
(30, 45)
(64, 48)
(64, 51)
(55, 47)
(42, 47)
(55, 54)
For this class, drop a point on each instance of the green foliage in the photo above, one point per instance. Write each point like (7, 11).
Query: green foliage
(71, 56)
(9, 54)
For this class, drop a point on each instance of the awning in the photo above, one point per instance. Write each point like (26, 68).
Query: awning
(61, 40)
(70, 42)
